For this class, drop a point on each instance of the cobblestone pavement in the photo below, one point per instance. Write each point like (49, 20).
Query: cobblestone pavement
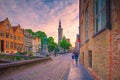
(52, 70)
(60, 68)
(78, 72)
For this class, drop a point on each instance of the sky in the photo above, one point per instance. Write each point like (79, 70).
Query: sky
(43, 15)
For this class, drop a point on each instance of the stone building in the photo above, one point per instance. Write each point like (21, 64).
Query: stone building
(11, 38)
(38, 44)
(100, 38)
(34, 44)
(27, 40)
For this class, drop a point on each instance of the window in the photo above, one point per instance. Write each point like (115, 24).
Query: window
(18, 38)
(7, 35)
(15, 45)
(7, 26)
(7, 44)
(90, 58)
(82, 33)
(99, 15)
(87, 23)
(14, 37)
(11, 45)
(1, 33)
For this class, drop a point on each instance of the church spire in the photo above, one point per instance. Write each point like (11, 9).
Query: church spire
(59, 23)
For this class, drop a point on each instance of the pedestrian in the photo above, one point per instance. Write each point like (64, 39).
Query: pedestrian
(73, 56)
(76, 56)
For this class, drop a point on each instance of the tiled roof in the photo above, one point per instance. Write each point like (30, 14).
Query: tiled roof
(14, 28)
(2, 21)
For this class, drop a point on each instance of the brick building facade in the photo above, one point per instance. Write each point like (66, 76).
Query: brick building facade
(100, 38)
(18, 38)
(11, 38)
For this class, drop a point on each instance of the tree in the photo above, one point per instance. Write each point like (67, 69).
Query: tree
(65, 44)
(41, 35)
(30, 31)
(51, 44)
(38, 34)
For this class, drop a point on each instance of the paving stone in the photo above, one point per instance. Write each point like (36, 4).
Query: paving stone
(52, 70)
(56, 69)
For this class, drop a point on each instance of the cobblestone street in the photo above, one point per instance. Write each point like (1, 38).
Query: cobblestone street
(52, 70)
(60, 68)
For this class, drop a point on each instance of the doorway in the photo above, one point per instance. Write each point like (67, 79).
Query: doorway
(2, 45)
(90, 58)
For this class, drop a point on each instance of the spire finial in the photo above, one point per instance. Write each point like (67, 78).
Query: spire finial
(59, 23)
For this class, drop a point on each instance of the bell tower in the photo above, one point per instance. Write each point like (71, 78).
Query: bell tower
(60, 32)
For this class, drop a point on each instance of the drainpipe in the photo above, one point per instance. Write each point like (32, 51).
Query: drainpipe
(110, 29)
(110, 57)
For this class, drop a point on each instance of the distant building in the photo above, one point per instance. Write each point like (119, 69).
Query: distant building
(27, 40)
(11, 38)
(34, 45)
(100, 38)
(38, 44)
(60, 32)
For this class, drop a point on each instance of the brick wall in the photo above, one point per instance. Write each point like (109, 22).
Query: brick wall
(100, 44)
(115, 19)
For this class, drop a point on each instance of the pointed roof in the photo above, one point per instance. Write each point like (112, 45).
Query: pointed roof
(59, 23)
(15, 27)
(1, 22)
(6, 19)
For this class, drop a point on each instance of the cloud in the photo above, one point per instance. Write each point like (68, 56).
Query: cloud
(43, 15)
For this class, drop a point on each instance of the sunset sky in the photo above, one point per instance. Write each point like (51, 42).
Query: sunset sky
(43, 15)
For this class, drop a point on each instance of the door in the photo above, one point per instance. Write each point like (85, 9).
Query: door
(90, 58)
(2, 46)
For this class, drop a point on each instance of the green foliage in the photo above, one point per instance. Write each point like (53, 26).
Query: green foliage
(41, 35)
(30, 53)
(18, 53)
(30, 31)
(51, 44)
(65, 44)
(38, 34)
(50, 40)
